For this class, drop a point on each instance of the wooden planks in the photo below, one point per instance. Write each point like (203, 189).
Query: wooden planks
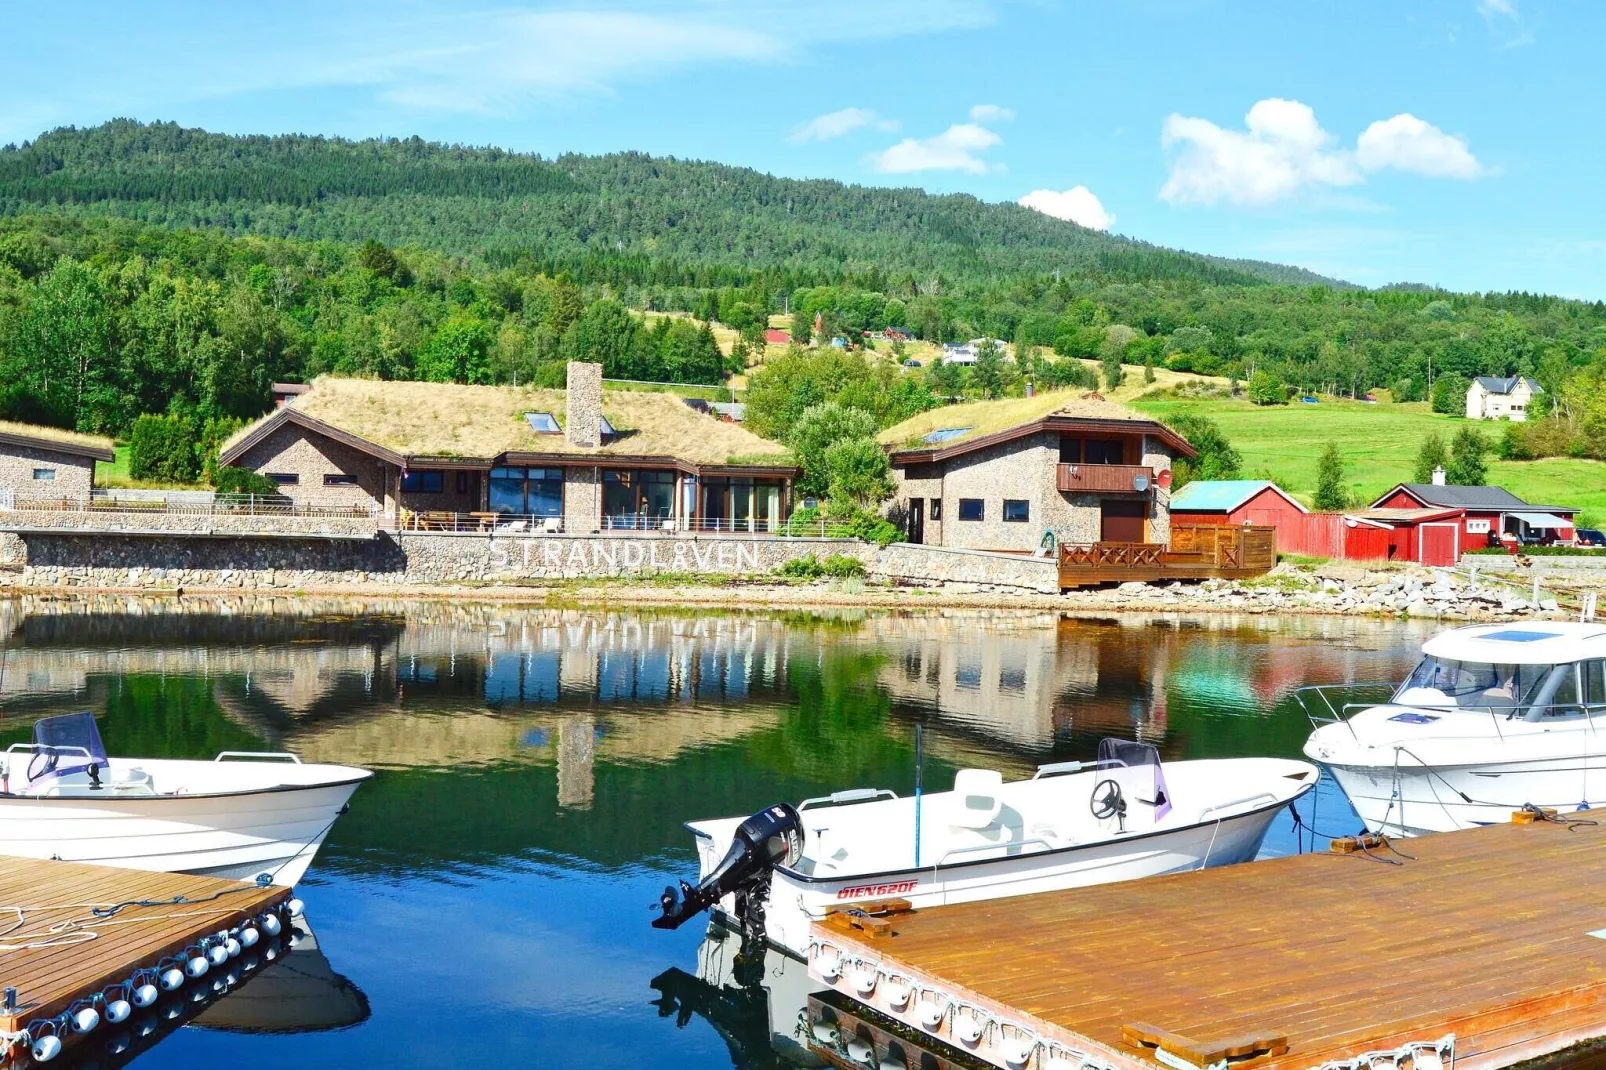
(1483, 933)
(50, 979)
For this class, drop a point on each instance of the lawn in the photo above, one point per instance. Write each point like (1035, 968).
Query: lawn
(116, 475)
(1379, 445)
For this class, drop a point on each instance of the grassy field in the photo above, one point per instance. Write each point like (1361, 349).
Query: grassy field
(1379, 444)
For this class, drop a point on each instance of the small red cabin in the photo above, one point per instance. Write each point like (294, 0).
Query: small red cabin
(1490, 515)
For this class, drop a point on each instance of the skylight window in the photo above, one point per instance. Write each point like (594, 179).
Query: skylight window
(607, 428)
(542, 423)
(947, 434)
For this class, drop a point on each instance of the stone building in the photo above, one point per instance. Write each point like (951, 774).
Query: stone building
(1001, 475)
(578, 460)
(44, 464)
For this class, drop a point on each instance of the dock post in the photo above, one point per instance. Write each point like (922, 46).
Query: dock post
(10, 1002)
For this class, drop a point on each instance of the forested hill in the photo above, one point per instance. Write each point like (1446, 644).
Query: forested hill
(708, 223)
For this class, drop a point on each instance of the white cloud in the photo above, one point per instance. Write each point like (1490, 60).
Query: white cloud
(955, 149)
(1490, 8)
(837, 123)
(1077, 205)
(1283, 150)
(1406, 143)
(990, 113)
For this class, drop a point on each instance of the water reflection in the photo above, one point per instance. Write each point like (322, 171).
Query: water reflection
(536, 766)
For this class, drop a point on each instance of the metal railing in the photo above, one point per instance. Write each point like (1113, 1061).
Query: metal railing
(482, 523)
(219, 505)
(528, 524)
(1517, 711)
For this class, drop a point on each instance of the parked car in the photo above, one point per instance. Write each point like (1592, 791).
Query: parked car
(911, 363)
(1591, 537)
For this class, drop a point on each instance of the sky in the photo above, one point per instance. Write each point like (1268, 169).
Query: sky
(1449, 142)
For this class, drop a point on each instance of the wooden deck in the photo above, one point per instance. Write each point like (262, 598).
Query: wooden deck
(1496, 935)
(49, 980)
(1195, 552)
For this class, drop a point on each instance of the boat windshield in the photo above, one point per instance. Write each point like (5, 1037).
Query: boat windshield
(1443, 683)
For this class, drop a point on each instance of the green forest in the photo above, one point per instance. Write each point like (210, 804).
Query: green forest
(153, 269)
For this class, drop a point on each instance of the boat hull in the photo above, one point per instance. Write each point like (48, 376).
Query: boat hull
(796, 902)
(241, 835)
(1411, 800)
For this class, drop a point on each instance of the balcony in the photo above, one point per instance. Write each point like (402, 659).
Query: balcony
(1105, 478)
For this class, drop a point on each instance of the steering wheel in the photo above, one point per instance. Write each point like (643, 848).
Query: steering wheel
(1106, 800)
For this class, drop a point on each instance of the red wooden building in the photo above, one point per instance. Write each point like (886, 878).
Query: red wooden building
(1425, 536)
(1488, 515)
(777, 337)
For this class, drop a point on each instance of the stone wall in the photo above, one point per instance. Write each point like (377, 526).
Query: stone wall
(582, 499)
(311, 457)
(582, 425)
(907, 563)
(73, 476)
(69, 558)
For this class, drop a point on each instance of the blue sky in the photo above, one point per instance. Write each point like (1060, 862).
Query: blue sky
(1453, 142)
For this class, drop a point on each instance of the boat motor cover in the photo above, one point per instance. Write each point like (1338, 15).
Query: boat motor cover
(772, 837)
(69, 743)
(1143, 777)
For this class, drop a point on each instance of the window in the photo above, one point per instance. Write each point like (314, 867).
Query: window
(284, 479)
(1103, 451)
(533, 491)
(1017, 510)
(1070, 450)
(463, 482)
(1595, 683)
(935, 512)
(971, 509)
(947, 434)
(542, 423)
(339, 479)
(423, 482)
(607, 428)
(44, 475)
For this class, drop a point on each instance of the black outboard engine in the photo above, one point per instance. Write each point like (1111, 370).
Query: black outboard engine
(772, 837)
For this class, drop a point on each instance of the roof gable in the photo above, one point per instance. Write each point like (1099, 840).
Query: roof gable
(977, 424)
(38, 437)
(1496, 499)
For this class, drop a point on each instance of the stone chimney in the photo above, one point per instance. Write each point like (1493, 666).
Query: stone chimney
(1438, 473)
(583, 427)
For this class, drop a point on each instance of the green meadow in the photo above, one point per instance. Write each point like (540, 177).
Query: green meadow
(1379, 444)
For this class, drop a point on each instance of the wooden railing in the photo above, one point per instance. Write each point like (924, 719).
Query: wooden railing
(1105, 478)
(1196, 552)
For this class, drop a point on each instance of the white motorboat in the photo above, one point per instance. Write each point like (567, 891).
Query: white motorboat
(241, 815)
(1073, 824)
(1494, 717)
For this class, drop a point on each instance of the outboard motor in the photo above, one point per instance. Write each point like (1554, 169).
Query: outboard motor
(772, 837)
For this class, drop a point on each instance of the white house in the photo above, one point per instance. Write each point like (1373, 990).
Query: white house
(1493, 398)
(966, 352)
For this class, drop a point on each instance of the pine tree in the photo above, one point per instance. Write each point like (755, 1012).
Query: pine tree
(1330, 493)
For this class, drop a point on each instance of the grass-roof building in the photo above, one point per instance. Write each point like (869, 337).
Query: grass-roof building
(47, 464)
(999, 475)
(579, 460)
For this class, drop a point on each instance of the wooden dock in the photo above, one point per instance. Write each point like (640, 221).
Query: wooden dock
(1195, 552)
(1495, 935)
(57, 900)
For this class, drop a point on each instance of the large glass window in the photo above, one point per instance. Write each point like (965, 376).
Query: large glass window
(638, 499)
(741, 505)
(1103, 451)
(537, 491)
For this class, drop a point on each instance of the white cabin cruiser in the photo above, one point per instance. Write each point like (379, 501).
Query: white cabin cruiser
(242, 815)
(1495, 717)
(1071, 825)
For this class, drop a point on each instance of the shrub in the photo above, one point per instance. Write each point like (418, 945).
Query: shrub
(163, 448)
(841, 566)
(233, 480)
(1450, 395)
(807, 567)
(1266, 389)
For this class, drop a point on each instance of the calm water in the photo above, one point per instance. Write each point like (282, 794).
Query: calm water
(487, 897)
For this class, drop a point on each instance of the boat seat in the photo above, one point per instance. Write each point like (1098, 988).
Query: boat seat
(977, 804)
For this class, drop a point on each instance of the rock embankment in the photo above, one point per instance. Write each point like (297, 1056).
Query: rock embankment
(1425, 592)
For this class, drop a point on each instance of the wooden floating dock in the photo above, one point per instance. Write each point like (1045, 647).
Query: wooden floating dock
(50, 980)
(1495, 935)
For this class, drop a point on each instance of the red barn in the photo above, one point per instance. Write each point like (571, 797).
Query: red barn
(1425, 536)
(1299, 531)
(1490, 515)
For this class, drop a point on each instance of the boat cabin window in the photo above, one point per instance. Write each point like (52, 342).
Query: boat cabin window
(1594, 673)
(1441, 682)
(1541, 692)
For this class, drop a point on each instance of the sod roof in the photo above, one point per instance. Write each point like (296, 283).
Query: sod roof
(450, 420)
(69, 441)
(970, 421)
